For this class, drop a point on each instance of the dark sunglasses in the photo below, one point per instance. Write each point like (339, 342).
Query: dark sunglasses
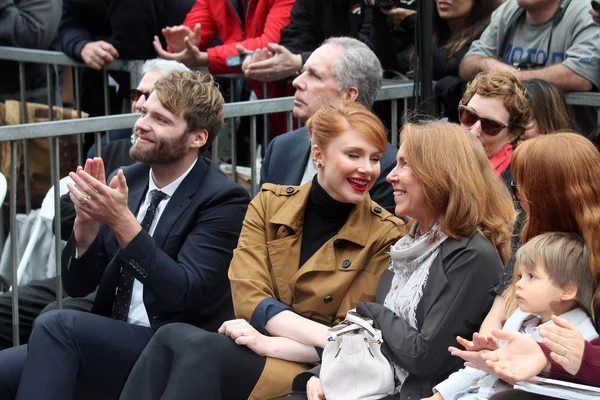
(135, 94)
(513, 190)
(490, 126)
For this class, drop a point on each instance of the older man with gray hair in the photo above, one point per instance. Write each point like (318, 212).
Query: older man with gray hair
(342, 68)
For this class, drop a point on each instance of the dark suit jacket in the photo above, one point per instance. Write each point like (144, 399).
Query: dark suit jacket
(287, 154)
(455, 301)
(184, 265)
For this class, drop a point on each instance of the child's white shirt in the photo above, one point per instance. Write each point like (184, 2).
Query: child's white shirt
(471, 383)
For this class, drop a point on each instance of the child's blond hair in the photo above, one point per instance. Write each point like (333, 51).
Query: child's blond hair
(565, 258)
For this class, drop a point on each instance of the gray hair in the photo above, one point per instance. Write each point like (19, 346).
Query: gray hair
(357, 66)
(163, 66)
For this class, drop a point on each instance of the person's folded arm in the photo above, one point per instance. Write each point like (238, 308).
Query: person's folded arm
(29, 23)
(81, 273)
(483, 49)
(72, 33)
(457, 311)
(290, 350)
(252, 287)
(559, 74)
(312, 333)
(590, 365)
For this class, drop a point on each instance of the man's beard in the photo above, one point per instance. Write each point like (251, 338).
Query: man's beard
(164, 151)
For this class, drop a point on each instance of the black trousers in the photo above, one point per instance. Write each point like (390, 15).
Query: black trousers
(72, 355)
(184, 362)
(34, 298)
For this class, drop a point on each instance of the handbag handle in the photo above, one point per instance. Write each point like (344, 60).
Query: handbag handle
(341, 329)
(365, 323)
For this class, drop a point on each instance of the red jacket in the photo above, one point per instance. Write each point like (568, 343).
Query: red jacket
(264, 20)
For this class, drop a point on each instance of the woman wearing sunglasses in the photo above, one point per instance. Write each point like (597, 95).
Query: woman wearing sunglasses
(496, 109)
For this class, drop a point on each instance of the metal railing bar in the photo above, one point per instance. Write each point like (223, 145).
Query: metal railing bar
(394, 123)
(23, 97)
(105, 89)
(583, 99)
(239, 109)
(13, 242)
(265, 120)
(253, 183)
(78, 108)
(232, 87)
(55, 177)
(55, 143)
(56, 58)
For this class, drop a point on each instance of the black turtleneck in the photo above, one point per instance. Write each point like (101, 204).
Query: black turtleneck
(323, 218)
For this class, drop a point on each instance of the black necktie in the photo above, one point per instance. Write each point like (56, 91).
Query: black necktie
(123, 295)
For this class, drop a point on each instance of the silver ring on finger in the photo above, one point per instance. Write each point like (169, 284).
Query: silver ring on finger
(85, 199)
(565, 353)
(242, 332)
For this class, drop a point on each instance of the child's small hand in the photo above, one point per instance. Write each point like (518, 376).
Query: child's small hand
(473, 351)
(478, 343)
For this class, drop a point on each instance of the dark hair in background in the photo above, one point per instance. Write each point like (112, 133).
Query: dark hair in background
(595, 137)
(550, 109)
(477, 20)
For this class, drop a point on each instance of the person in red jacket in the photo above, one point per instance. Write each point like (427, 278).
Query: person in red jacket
(250, 23)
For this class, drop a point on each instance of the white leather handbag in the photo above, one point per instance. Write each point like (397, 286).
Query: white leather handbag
(352, 366)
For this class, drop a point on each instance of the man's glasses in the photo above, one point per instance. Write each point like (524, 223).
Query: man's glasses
(135, 94)
(490, 126)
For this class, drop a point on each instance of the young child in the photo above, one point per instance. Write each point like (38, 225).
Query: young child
(552, 277)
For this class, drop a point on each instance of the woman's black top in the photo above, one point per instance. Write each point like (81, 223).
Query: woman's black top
(323, 218)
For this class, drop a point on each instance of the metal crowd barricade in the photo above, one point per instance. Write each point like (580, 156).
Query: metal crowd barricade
(50, 59)
(56, 129)
(591, 99)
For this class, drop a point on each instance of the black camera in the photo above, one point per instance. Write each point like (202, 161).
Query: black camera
(385, 4)
(526, 66)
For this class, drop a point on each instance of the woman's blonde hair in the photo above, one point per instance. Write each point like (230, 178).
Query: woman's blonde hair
(558, 176)
(459, 183)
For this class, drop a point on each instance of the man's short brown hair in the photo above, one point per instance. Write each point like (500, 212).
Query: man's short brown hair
(195, 96)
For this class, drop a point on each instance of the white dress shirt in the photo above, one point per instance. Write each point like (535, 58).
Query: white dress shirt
(137, 310)
(309, 171)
